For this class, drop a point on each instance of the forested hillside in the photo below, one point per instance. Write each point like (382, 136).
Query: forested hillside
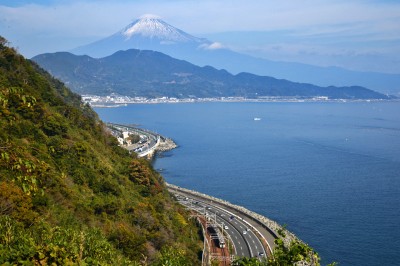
(152, 74)
(68, 193)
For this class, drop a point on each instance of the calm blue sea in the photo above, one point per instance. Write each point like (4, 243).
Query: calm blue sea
(330, 171)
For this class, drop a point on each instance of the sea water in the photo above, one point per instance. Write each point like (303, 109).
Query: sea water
(329, 171)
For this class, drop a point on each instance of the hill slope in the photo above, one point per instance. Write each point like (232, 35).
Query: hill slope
(153, 74)
(68, 193)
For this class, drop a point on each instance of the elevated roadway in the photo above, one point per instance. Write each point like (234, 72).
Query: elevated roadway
(248, 237)
(146, 148)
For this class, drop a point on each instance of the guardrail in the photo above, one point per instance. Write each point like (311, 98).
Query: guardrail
(150, 149)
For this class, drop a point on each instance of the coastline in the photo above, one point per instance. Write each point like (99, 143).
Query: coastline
(265, 228)
(113, 101)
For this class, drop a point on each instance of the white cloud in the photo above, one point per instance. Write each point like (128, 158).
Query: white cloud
(206, 16)
(66, 24)
(212, 46)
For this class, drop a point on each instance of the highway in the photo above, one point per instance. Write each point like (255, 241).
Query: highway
(242, 235)
(148, 143)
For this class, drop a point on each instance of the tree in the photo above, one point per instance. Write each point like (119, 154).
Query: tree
(172, 256)
(295, 252)
(15, 203)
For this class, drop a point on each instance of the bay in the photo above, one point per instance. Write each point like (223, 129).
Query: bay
(330, 171)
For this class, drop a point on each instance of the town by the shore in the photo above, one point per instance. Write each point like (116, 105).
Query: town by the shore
(115, 100)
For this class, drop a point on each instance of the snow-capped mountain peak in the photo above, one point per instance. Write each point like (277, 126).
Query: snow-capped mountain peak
(152, 26)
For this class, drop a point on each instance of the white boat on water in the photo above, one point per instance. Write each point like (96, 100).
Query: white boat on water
(257, 118)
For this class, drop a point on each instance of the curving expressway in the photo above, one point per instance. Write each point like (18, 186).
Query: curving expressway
(241, 234)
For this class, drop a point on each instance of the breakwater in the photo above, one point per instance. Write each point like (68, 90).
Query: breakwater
(166, 144)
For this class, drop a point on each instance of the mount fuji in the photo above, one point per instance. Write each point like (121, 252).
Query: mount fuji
(150, 32)
(153, 27)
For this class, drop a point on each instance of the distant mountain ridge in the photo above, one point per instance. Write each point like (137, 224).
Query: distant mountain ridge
(153, 74)
(152, 33)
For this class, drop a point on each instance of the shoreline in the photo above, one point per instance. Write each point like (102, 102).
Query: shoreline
(122, 101)
(166, 144)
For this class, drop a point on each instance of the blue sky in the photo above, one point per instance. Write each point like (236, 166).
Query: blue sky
(354, 34)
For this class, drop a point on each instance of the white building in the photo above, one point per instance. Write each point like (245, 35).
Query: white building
(125, 134)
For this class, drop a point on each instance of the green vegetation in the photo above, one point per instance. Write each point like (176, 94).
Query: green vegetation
(290, 254)
(134, 138)
(68, 193)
